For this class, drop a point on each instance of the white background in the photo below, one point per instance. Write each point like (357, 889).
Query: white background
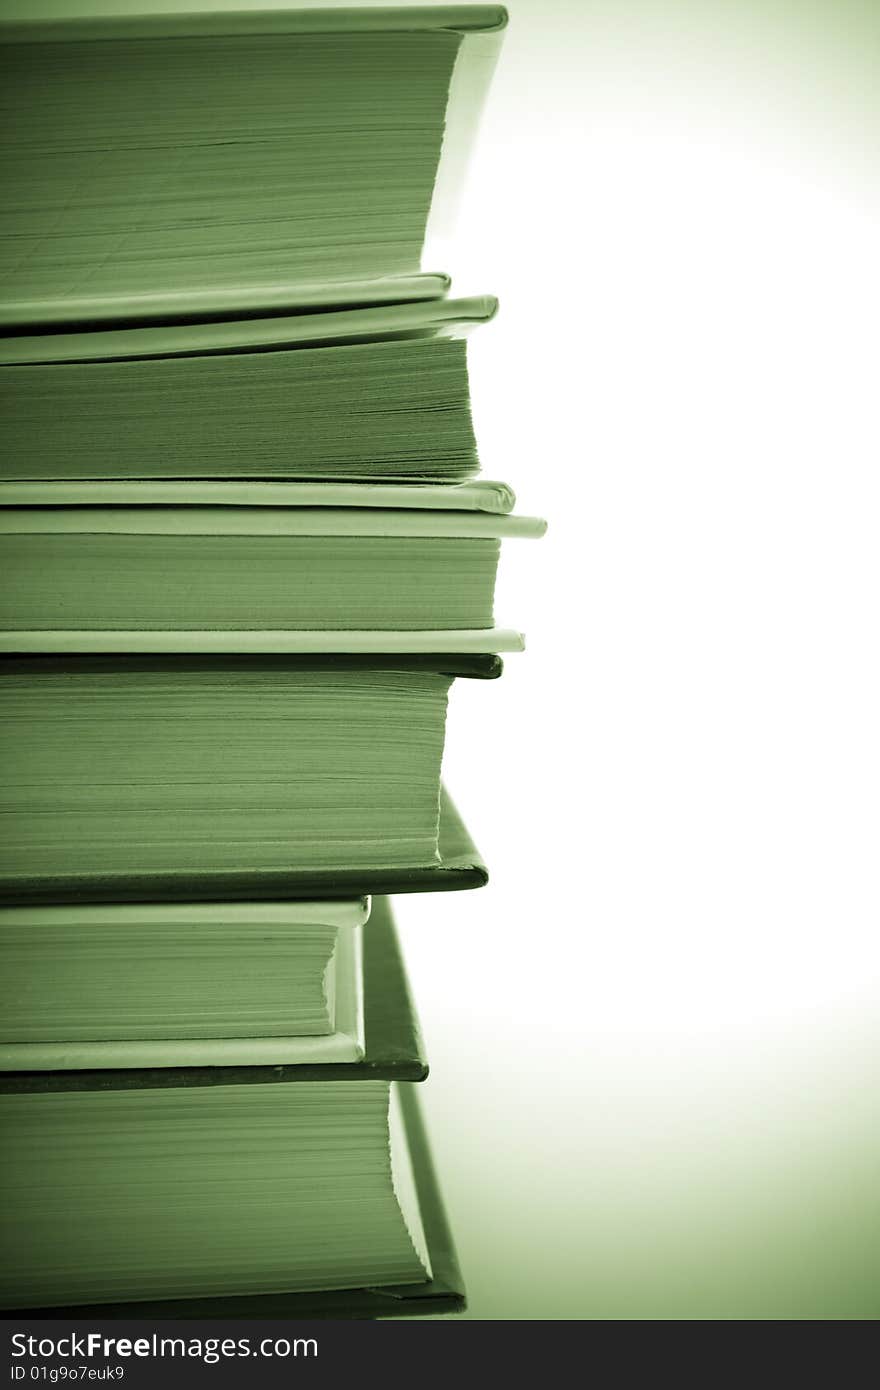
(671, 984)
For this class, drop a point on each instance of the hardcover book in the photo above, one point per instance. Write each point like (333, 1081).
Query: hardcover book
(150, 984)
(367, 395)
(174, 165)
(211, 777)
(229, 569)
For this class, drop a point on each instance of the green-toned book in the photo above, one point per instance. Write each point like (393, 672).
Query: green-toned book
(366, 395)
(227, 569)
(241, 1190)
(149, 984)
(458, 866)
(221, 777)
(170, 165)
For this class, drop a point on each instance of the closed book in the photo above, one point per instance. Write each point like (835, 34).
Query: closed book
(229, 777)
(365, 395)
(165, 166)
(151, 984)
(162, 570)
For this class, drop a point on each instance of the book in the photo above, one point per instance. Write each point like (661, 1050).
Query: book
(183, 776)
(198, 1191)
(458, 866)
(161, 166)
(93, 985)
(166, 569)
(443, 1293)
(366, 395)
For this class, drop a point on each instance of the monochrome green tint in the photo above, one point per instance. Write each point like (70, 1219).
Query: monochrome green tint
(228, 582)
(182, 1191)
(175, 767)
(71, 975)
(207, 163)
(395, 410)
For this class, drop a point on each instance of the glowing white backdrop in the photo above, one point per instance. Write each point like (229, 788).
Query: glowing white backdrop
(659, 1022)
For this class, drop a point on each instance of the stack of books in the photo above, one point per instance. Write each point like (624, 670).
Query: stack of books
(244, 559)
